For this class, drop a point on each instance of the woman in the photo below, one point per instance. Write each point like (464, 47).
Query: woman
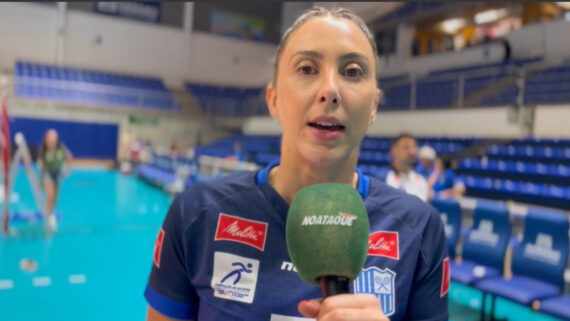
(221, 252)
(445, 183)
(52, 158)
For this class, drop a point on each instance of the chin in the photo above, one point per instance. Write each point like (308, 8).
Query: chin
(325, 156)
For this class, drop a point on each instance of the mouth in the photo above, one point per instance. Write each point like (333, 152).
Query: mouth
(327, 124)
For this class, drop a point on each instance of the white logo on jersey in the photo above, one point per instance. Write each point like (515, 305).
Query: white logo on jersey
(234, 277)
(288, 266)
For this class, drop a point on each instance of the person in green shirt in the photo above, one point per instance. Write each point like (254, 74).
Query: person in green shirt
(52, 157)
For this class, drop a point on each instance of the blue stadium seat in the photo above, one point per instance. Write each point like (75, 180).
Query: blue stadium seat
(450, 213)
(544, 249)
(485, 245)
(557, 307)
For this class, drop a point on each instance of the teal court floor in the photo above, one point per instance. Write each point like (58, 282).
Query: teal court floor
(97, 264)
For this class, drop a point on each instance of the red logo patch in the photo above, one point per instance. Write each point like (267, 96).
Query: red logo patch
(384, 244)
(233, 228)
(445, 277)
(158, 247)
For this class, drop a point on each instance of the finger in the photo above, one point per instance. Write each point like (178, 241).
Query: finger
(309, 309)
(348, 314)
(351, 301)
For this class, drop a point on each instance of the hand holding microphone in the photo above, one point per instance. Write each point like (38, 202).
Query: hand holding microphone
(327, 238)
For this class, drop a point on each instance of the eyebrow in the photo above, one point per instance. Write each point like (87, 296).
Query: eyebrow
(318, 55)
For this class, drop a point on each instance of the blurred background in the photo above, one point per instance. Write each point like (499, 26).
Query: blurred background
(151, 97)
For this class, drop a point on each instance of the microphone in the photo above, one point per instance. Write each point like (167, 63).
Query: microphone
(327, 236)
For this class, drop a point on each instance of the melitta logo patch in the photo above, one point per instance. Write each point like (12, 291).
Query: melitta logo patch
(445, 278)
(237, 229)
(384, 243)
(158, 248)
(342, 219)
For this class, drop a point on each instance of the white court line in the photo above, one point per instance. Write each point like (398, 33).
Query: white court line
(6, 284)
(41, 281)
(77, 278)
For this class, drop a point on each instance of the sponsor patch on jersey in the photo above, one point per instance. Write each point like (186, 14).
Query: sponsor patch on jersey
(158, 248)
(381, 283)
(445, 278)
(385, 244)
(237, 229)
(234, 277)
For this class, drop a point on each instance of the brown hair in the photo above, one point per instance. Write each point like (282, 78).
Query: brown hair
(340, 13)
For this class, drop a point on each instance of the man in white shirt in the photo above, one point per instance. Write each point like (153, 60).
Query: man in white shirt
(403, 150)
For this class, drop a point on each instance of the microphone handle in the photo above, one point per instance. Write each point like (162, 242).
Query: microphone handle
(333, 285)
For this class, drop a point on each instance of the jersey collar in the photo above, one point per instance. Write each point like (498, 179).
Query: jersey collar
(363, 180)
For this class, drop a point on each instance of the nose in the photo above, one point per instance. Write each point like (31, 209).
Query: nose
(329, 94)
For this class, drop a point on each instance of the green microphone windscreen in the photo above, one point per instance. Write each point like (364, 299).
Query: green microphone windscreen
(327, 232)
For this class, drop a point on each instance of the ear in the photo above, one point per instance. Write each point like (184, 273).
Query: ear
(271, 100)
(374, 108)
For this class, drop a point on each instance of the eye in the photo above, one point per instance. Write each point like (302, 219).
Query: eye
(307, 69)
(353, 71)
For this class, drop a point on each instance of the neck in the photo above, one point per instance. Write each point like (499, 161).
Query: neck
(294, 173)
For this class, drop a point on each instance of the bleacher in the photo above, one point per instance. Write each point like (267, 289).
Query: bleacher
(226, 101)
(443, 88)
(90, 88)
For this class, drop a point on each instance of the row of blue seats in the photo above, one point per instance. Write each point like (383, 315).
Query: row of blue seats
(555, 196)
(88, 97)
(538, 261)
(35, 70)
(529, 152)
(515, 167)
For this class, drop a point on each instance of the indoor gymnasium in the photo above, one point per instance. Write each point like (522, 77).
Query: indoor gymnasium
(181, 161)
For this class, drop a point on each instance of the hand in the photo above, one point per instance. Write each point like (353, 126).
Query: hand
(345, 307)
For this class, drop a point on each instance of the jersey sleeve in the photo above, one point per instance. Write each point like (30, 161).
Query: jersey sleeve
(428, 296)
(169, 290)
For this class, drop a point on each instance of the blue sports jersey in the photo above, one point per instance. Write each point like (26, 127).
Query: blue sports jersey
(221, 254)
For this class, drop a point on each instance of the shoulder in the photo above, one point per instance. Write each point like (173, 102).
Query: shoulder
(234, 188)
(409, 209)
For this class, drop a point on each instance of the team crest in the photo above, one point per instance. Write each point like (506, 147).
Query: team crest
(382, 284)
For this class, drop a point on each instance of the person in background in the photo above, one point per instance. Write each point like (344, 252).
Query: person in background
(426, 164)
(402, 174)
(445, 182)
(53, 156)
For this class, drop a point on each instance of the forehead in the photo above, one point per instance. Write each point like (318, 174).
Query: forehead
(405, 141)
(326, 34)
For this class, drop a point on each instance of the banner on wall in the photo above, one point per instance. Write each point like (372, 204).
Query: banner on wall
(237, 26)
(143, 11)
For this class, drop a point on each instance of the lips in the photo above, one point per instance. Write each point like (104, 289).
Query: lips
(327, 124)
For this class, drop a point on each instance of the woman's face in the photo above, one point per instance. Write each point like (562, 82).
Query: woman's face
(325, 95)
(51, 139)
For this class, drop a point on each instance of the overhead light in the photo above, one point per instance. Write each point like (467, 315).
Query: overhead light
(490, 15)
(453, 25)
(565, 5)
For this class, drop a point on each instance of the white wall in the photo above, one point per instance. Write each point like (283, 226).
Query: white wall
(550, 121)
(223, 60)
(27, 32)
(126, 46)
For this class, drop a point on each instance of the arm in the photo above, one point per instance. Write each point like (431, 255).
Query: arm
(153, 315)
(428, 296)
(169, 290)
